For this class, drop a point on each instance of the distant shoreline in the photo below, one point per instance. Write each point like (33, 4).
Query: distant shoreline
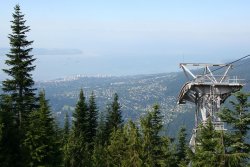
(43, 51)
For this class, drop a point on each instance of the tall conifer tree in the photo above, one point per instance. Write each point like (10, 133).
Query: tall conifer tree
(208, 149)
(41, 140)
(116, 114)
(91, 122)
(133, 152)
(99, 155)
(238, 119)
(18, 99)
(117, 148)
(181, 152)
(114, 117)
(80, 116)
(20, 83)
(100, 132)
(65, 141)
(152, 142)
(77, 153)
(66, 129)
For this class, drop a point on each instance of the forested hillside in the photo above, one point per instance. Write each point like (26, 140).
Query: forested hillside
(109, 121)
(137, 94)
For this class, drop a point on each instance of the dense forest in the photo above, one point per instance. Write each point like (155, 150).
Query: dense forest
(30, 136)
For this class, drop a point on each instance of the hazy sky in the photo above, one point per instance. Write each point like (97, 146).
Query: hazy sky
(189, 30)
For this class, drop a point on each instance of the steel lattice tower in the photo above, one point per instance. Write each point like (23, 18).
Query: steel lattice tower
(207, 91)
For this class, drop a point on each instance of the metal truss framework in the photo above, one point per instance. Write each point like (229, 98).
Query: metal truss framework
(207, 91)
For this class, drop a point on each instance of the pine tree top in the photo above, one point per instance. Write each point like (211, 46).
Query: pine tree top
(19, 85)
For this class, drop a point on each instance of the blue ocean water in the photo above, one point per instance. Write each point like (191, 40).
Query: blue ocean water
(50, 67)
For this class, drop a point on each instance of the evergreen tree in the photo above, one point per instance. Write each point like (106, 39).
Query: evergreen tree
(91, 122)
(114, 117)
(42, 140)
(99, 155)
(65, 141)
(80, 116)
(152, 142)
(18, 99)
(182, 147)
(20, 83)
(238, 120)
(77, 153)
(10, 150)
(101, 137)
(108, 125)
(209, 148)
(132, 157)
(66, 129)
(168, 158)
(117, 149)
(225, 148)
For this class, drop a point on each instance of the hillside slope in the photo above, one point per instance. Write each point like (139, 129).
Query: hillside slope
(137, 94)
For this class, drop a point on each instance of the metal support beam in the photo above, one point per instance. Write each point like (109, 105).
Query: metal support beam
(186, 70)
(207, 91)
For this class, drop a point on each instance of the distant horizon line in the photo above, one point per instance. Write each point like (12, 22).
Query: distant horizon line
(77, 76)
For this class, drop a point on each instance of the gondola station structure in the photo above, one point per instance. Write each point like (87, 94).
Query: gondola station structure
(207, 87)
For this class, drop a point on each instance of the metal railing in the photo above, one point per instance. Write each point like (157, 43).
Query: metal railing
(218, 79)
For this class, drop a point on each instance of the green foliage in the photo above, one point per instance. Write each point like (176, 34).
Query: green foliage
(117, 148)
(101, 135)
(125, 147)
(18, 99)
(225, 148)
(10, 138)
(114, 117)
(80, 116)
(132, 157)
(168, 158)
(133, 147)
(99, 156)
(208, 149)
(181, 147)
(66, 129)
(20, 83)
(42, 142)
(29, 135)
(152, 142)
(91, 122)
(238, 120)
(65, 140)
(76, 152)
